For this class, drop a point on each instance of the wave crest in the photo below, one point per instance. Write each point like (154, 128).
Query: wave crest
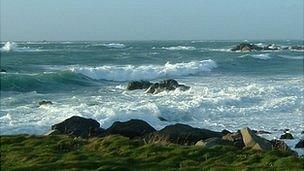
(12, 46)
(179, 48)
(146, 72)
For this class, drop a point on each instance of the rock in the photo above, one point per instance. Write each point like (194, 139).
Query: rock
(281, 146)
(2, 70)
(166, 85)
(253, 141)
(300, 144)
(261, 132)
(212, 142)
(297, 48)
(271, 47)
(286, 136)
(181, 134)
(132, 128)
(236, 138)
(225, 132)
(162, 118)
(45, 102)
(246, 47)
(302, 132)
(134, 85)
(79, 126)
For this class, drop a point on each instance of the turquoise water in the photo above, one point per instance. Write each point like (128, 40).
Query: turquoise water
(229, 90)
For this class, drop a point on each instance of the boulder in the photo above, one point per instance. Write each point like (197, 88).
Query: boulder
(281, 146)
(246, 47)
(78, 126)
(134, 85)
(166, 85)
(181, 134)
(236, 138)
(2, 70)
(212, 142)
(132, 128)
(45, 102)
(225, 132)
(253, 141)
(286, 136)
(300, 144)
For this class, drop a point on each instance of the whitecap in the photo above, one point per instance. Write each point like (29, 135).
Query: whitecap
(12, 46)
(179, 48)
(147, 72)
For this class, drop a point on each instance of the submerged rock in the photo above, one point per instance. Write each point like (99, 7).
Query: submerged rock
(2, 70)
(253, 141)
(79, 126)
(45, 102)
(300, 144)
(134, 85)
(286, 136)
(132, 128)
(181, 134)
(296, 47)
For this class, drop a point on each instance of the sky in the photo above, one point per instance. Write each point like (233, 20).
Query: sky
(151, 19)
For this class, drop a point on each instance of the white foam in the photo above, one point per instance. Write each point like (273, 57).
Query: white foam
(179, 48)
(264, 56)
(291, 57)
(114, 45)
(12, 46)
(147, 72)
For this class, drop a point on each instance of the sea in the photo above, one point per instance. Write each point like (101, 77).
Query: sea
(262, 90)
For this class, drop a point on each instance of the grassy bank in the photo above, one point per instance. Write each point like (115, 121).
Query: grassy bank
(21, 152)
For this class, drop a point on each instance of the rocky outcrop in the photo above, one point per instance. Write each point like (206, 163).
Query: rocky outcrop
(236, 139)
(132, 128)
(134, 85)
(45, 102)
(181, 134)
(78, 126)
(253, 141)
(154, 88)
(212, 142)
(300, 144)
(286, 136)
(281, 146)
(244, 47)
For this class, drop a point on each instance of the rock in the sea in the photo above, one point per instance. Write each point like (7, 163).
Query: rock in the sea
(162, 118)
(261, 132)
(253, 141)
(132, 128)
(297, 47)
(79, 126)
(134, 85)
(286, 136)
(246, 47)
(300, 144)
(236, 138)
(281, 146)
(212, 142)
(45, 102)
(166, 85)
(2, 70)
(271, 47)
(181, 134)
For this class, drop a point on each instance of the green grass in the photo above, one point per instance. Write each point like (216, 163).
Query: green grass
(21, 152)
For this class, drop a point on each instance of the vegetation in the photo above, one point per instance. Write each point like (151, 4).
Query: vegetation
(22, 152)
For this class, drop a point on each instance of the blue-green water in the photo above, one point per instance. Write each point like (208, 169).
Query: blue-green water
(229, 90)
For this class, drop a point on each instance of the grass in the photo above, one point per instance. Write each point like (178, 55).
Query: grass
(22, 152)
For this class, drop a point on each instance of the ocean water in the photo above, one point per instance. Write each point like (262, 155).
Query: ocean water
(229, 90)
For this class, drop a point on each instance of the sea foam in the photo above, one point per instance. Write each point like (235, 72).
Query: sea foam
(12, 46)
(147, 72)
(179, 48)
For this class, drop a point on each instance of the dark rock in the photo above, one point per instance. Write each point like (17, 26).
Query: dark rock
(253, 141)
(225, 132)
(281, 146)
(79, 126)
(271, 47)
(286, 136)
(162, 118)
(181, 134)
(246, 47)
(236, 138)
(134, 85)
(261, 132)
(302, 132)
(2, 70)
(300, 144)
(132, 128)
(166, 85)
(45, 102)
(297, 47)
(212, 142)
